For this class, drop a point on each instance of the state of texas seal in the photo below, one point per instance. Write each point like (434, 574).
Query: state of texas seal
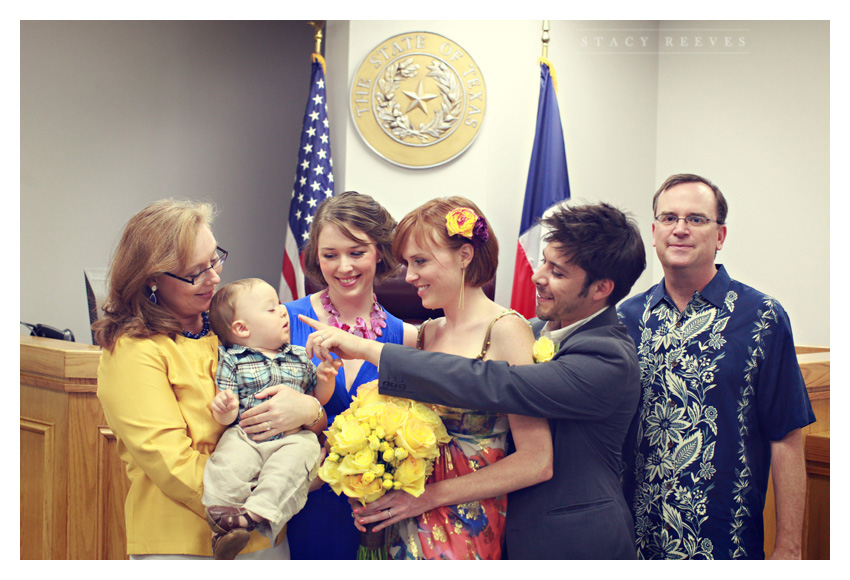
(418, 100)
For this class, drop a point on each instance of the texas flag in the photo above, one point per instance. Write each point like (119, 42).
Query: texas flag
(548, 185)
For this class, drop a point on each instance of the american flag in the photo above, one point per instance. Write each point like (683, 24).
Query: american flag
(314, 182)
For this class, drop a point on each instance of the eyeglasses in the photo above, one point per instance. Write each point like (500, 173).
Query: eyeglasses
(669, 219)
(220, 257)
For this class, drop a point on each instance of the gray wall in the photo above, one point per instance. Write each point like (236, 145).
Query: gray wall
(115, 115)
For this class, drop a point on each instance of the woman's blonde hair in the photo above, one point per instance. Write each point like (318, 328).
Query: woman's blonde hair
(160, 238)
(427, 225)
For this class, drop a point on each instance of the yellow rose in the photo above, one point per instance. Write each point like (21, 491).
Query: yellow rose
(365, 412)
(418, 439)
(461, 221)
(359, 462)
(403, 403)
(368, 393)
(350, 439)
(331, 437)
(411, 474)
(367, 492)
(391, 418)
(389, 455)
(329, 473)
(339, 421)
(543, 350)
(427, 415)
(374, 442)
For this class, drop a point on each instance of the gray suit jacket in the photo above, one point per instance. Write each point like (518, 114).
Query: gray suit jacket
(589, 392)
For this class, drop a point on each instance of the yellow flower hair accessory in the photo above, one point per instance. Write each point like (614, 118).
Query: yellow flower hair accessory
(462, 221)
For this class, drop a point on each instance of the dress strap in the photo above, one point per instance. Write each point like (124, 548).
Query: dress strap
(486, 346)
(420, 335)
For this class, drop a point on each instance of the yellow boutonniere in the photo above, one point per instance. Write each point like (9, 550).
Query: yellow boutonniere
(543, 350)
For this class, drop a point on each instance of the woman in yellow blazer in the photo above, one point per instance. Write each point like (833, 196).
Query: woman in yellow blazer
(156, 379)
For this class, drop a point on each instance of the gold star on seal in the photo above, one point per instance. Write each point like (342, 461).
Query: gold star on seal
(417, 99)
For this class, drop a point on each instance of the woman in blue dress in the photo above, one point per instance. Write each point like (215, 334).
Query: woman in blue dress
(349, 251)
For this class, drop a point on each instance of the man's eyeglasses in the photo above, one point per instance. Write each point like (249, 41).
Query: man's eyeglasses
(220, 257)
(669, 219)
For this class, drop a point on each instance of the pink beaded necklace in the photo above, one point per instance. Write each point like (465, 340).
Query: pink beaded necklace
(377, 319)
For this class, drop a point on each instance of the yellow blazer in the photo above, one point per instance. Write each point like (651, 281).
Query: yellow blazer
(156, 394)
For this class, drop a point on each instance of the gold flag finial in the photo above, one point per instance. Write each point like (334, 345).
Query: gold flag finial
(317, 25)
(545, 39)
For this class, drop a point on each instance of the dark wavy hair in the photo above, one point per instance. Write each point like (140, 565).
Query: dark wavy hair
(353, 210)
(601, 240)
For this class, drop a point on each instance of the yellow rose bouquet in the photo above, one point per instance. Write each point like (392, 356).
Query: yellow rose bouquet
(379, 444)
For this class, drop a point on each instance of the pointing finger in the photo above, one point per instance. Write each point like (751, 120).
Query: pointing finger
(312, 323)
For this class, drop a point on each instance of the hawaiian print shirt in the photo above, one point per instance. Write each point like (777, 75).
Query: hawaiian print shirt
(246, 372)
(720, 381)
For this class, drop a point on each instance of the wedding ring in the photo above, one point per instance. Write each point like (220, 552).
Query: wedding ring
(389, 513)
(268, 426)
(323, 337)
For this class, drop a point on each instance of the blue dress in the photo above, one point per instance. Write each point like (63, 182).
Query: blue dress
(324, 529)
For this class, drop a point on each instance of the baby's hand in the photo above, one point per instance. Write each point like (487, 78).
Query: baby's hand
(327, 370)
(224, 401)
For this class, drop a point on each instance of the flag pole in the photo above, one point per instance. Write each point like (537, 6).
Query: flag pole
(318, 26)
(545, 58)
(545, 39)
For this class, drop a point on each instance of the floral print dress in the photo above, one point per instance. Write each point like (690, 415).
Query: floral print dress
(470, 531)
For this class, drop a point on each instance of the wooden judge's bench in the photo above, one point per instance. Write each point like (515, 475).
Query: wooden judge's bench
(73, 484)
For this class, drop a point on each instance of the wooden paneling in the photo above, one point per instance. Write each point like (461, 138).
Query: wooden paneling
(43, 473)
(814, 365)
(817, 498)
(59, 359)
(113, 485)
(37, 497)
(73, 484)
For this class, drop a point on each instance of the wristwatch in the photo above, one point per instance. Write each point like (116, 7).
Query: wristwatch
(321, 412)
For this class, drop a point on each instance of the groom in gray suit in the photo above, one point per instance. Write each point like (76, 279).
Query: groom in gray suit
(589, 390)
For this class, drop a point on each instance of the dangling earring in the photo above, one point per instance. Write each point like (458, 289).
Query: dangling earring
(462, 285)
(152, 296)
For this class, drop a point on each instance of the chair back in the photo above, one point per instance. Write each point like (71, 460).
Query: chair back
(96, 288)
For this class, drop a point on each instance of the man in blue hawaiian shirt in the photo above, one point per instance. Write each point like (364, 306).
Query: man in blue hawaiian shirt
(722, 401)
